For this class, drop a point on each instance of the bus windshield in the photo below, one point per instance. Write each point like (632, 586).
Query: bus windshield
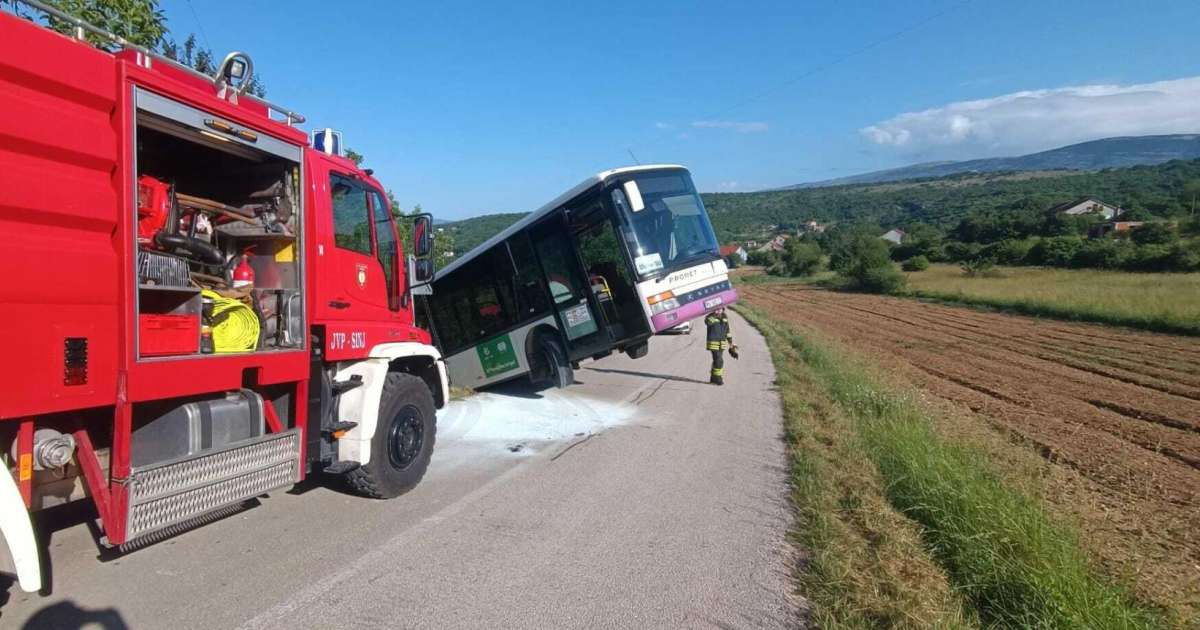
(667, 227)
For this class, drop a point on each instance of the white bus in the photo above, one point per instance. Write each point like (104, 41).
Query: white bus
(627, 253)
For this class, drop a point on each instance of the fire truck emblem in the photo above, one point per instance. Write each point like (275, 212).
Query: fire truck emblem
(362, 276)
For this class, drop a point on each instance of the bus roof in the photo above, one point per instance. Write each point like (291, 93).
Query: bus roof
(558, 201)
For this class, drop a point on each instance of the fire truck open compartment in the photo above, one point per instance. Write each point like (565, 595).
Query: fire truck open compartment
(213, 199)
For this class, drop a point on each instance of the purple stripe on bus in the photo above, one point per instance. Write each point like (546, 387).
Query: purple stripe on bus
(663, 321)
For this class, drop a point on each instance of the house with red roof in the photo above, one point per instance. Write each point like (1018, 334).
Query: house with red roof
(734, 250)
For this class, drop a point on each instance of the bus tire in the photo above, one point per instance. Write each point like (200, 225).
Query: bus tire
(403, 440)
(561, 373)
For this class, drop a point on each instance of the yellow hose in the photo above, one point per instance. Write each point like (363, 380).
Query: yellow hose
(235, 326)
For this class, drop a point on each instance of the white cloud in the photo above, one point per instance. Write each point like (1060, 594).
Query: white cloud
(1035, 120)
(683, 135)
(663, 125)
(729, 185)
(740, 127)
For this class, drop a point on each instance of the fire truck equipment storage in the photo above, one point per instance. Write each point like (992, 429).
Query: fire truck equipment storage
(200, 308)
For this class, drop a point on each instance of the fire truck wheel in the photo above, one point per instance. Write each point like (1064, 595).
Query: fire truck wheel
(555, 357)
(403, 440)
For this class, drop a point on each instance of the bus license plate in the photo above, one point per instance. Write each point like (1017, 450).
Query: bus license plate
(717, 301)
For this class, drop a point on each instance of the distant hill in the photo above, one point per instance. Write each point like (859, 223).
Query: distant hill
(942, 202)
(470, 233)
(1086, 156)
(939, 201)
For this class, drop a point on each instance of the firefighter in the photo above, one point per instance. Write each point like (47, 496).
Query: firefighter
(720, 339)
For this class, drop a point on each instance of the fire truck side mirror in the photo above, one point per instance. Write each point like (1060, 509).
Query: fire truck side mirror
(423, 270)
(423, 236)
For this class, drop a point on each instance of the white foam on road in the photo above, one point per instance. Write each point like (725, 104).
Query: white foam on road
(521, 417)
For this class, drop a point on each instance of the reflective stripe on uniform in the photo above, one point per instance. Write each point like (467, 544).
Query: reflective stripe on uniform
(718, 371)
(717, 345)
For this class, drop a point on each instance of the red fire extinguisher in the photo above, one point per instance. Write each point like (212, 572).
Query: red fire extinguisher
(243, 274)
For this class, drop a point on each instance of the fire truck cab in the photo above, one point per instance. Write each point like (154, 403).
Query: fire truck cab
(199, 303)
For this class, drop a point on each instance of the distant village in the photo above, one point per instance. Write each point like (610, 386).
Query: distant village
(1108, 215)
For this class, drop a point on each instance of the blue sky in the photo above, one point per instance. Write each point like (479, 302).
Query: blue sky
(472, 108)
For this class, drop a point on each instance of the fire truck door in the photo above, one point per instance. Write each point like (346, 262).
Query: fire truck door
(360, 289)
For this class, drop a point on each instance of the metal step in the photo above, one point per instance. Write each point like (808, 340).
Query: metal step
(341, 387)
(341, 468)
(166, 494)
(344, 425)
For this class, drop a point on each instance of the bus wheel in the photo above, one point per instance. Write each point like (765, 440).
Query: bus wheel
(403, 440)
(561, 373)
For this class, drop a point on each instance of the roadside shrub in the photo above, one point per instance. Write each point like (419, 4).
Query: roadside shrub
(978, 268)
(936, 253)
(1190, 226)
(1185, 256)
(1150, 258)
(1101, 254)
(1056, 251)
(732, 261)
(761, 258)
(916, 263)
(866, 261)
(1014, 251)
(801, 258)
(957, 251)
(1160, 233)
(882, 280)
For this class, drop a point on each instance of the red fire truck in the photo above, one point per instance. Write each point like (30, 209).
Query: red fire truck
(199, 303)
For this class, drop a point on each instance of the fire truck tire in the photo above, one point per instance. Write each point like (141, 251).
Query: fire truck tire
(403, 440)
(561, 373)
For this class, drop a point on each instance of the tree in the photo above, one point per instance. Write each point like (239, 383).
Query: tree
(1191, 194)
(843, 241)
(761, 258)
(443, 240)
(920, 239)
(867, 263)
(1056, 251)
(916, 263)
(801, 258)
(202, 60)
(138, 21)
(1159, 233)
(354, 156)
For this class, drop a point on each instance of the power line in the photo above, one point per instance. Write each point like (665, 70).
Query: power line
(199, 25)
(838, 60)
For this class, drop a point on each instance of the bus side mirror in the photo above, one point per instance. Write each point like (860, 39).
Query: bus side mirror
(423, 237)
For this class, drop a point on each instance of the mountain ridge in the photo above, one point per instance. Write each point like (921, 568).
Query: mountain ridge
(1092, 155)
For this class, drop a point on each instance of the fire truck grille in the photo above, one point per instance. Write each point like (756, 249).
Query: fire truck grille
(167, 494)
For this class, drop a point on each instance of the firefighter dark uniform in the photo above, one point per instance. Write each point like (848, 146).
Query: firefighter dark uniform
(720, 339)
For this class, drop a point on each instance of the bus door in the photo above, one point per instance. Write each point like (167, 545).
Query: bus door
(609, 275)
(569, 289)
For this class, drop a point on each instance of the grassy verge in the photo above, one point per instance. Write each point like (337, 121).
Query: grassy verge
(908, 529)
(1159, 302)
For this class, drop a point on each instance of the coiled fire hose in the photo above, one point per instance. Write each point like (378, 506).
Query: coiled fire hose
(235, 326)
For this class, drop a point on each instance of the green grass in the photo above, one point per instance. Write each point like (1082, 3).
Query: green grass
(1162, 302)
(1002, 555)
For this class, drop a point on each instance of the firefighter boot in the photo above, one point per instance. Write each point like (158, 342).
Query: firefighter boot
(718, 376)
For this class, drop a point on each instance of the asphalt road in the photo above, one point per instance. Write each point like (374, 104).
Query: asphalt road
(642, 497)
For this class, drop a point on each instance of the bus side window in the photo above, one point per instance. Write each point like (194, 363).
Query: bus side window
(530, 296)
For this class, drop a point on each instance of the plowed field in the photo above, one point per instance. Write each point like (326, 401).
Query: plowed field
(1116, 412)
